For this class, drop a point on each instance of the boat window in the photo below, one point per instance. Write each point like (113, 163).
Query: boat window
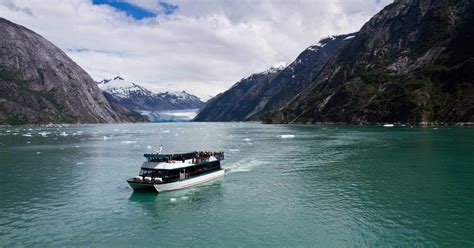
(152, 173)
(159, 173)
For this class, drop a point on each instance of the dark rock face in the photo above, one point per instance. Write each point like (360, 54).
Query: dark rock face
(411, 63)
(237, 103)
(254, 97)
(137, 97)
(39, 83)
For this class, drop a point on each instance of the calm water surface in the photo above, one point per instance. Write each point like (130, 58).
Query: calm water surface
(329, 186)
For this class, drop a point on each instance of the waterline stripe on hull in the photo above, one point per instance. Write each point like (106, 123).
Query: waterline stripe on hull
(189, 182)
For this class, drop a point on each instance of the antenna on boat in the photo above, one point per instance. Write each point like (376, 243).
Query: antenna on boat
(161, 149)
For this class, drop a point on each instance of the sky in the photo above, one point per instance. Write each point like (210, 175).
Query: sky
(201, 46)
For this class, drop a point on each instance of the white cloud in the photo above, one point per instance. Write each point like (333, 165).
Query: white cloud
(204, 47)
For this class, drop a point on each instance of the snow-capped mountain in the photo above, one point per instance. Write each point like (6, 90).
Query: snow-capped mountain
(139, 98)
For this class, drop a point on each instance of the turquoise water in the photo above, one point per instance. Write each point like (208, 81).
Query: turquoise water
(330, 186)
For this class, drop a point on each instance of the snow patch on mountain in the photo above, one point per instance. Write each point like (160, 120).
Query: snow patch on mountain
(122, 88)
(139, 98)
(350, 37)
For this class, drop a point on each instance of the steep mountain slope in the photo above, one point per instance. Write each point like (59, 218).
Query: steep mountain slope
(412, 63)
(39, 83)
(237, 103)
(253, 96)
(137, 97)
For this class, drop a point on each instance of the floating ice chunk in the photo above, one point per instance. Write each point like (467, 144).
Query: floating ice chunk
(77, 146)
(173, 199)
(129, 142)
(27, 135)
(234, 150)
(29, 142)
(116, 130)
(184, 198)
(38, 152)
(64, 134)
(44, 134)
(388, 125)
(79, 163)
(165, 131)
(148, 147)
(106, 138)
(287, 136)
(247, 139)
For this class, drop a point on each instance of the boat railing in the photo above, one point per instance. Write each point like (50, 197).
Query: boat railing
(204, 156)
(198, 157)
(219, 155)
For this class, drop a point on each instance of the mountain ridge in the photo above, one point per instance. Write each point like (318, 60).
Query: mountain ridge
(40, 84)
(253, 96)
(139, 98)
(399, 69)
(411, 63)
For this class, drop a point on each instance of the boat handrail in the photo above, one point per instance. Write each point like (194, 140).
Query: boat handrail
(198, 155)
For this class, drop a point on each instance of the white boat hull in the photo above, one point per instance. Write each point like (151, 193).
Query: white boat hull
(189, 182)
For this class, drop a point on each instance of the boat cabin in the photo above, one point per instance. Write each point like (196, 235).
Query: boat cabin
(166, 168)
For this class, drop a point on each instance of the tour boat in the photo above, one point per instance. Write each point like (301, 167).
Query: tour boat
(166, 172)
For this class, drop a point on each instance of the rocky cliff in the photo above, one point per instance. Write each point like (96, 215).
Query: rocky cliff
(39, 83)
(255, 96)
(411, 63)
(237, 103)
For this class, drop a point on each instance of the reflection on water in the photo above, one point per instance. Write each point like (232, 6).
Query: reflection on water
(285, 185)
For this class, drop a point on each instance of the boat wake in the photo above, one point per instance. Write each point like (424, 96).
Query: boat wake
(244, 166)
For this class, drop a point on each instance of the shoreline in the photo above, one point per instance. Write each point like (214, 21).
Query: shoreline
(396, 124)
(422, 124)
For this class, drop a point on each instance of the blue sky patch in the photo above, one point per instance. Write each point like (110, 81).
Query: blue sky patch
(131, 10)
(168, 8)
(138, 12)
